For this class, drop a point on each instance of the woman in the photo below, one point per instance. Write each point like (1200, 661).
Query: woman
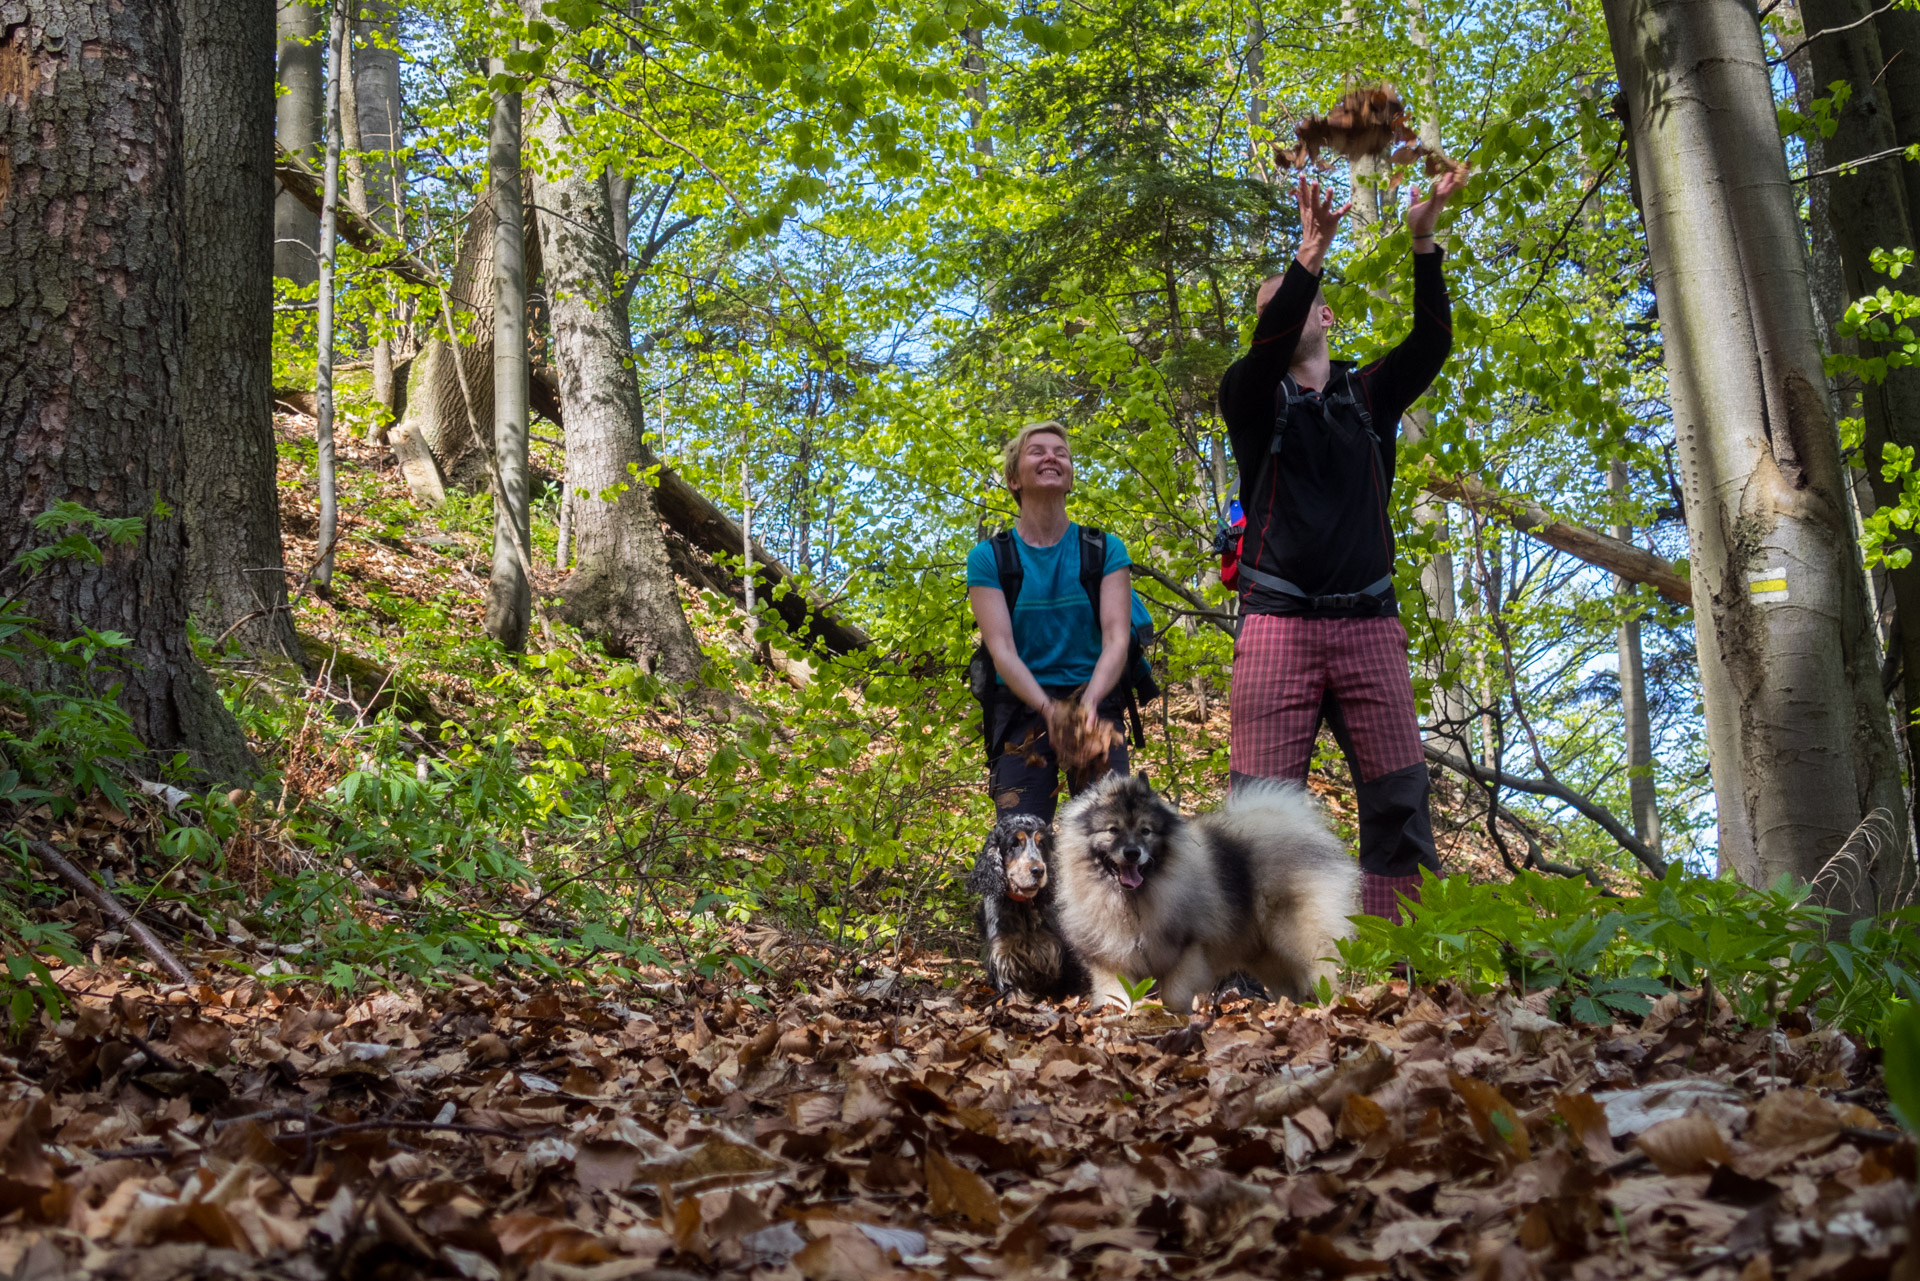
(1050, 646)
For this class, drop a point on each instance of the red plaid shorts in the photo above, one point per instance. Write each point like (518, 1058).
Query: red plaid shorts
(1283, 667)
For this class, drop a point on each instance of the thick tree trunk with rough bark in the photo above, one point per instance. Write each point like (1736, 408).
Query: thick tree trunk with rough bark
(296, 228)
(92, 328)
(1796, 722)
(622, 591)
(509, 591)
(230, 500)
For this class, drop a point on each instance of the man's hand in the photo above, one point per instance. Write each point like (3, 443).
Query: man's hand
(1319, 220)
(1424, 215)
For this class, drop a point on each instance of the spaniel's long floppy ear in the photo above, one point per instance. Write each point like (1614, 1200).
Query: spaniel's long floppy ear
(989, 875)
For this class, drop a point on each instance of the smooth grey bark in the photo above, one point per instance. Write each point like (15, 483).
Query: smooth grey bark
(230, 498)
(299, 126)
(379, 171)
(509, 593)
(1643, 797)
(1867, 210)
(435, 416)
(92, 332)
(1796, 724)
(323, 372)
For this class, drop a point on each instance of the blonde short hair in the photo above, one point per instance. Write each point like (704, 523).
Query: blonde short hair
(1010, 456)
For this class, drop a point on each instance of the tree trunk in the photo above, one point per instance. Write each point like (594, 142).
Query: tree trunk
(1899, 33)
(230, 500)
(435, 417)
(93, 327)
(377, 108)
(1867, 209)
(1796, 722)
(323, 375)
(1641, 792)
(509, 593)
(296, 228)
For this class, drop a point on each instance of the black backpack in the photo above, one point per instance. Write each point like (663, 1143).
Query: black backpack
(1136, 678)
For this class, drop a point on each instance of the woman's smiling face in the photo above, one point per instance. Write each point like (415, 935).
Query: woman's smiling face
(1046, 466)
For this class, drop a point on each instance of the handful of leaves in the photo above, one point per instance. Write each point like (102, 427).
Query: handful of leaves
(1365, 122)
(1082, 752)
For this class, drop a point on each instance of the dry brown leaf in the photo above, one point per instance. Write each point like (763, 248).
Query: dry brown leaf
(1690, 1144)
(1498, 1124)
(716, 1163)
(955, 1190)
(841, 1256)
(1587, 1122)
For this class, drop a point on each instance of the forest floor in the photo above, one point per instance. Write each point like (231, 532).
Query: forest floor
(863, 1114)
(840, 1120)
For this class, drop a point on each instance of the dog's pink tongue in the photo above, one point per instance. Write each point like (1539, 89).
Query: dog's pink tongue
(1130, 877)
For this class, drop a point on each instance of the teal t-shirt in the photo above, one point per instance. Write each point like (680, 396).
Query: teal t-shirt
(1054, 629)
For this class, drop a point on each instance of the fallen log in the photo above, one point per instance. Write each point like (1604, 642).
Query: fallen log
(1635, 564)
(303, 184)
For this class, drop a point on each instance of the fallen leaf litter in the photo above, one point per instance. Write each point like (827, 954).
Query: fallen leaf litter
(881, 1125)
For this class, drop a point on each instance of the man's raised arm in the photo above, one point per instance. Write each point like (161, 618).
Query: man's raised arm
(1401, 376)
(1246, 393)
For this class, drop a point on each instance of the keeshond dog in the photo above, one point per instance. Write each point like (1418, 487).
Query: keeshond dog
(1258, 885)
(1013, 876)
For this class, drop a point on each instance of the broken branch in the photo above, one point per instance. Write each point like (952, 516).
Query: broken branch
(115, 911)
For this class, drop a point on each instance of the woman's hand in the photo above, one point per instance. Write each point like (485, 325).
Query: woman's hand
(1424, 215)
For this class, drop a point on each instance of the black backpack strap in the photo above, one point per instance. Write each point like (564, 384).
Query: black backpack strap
(1093, 567)
(1006, 561)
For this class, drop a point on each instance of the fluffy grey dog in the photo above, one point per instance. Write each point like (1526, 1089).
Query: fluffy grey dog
(1258, 885)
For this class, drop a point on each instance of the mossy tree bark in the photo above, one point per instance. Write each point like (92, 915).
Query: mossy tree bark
(1797, 728)
(93, 325)
(230, 501)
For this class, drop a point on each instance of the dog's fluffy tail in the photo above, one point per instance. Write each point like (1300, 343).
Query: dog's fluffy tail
(1261, 812)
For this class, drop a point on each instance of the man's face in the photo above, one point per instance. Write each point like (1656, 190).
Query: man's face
(1046, 465)
(1320, 318)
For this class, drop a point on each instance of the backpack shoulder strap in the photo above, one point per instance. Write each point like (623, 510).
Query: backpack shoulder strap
(1006, 561)
(1093, 566)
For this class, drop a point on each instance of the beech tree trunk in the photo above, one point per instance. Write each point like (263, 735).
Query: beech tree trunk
(622, 591)
(230, 501)
(509, 593)
(1867, 209)
(323, 375)
(435, 417)
(1638, 726)
(1796, 723)
(92, 328)
(296, 228)
(377, 107)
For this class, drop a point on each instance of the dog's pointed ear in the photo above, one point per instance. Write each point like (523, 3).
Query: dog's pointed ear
(1145, 782)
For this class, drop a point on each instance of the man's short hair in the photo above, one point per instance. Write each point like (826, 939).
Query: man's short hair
(1010, 456)
(1263, 295)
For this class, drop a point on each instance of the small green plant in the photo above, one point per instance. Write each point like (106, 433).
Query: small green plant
(1765, 950)
(1136, 991)
(1900, 1050)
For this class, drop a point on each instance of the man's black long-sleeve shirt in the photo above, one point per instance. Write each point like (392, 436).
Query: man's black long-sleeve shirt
(1317, 510)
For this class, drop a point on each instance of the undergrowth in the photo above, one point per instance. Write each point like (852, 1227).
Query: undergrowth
(568, 816)
(1770, 952)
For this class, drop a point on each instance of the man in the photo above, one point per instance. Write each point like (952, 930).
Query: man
(1320, 632)
(1053, 660)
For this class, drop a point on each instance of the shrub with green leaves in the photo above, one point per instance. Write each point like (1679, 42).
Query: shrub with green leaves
(1767, 951)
